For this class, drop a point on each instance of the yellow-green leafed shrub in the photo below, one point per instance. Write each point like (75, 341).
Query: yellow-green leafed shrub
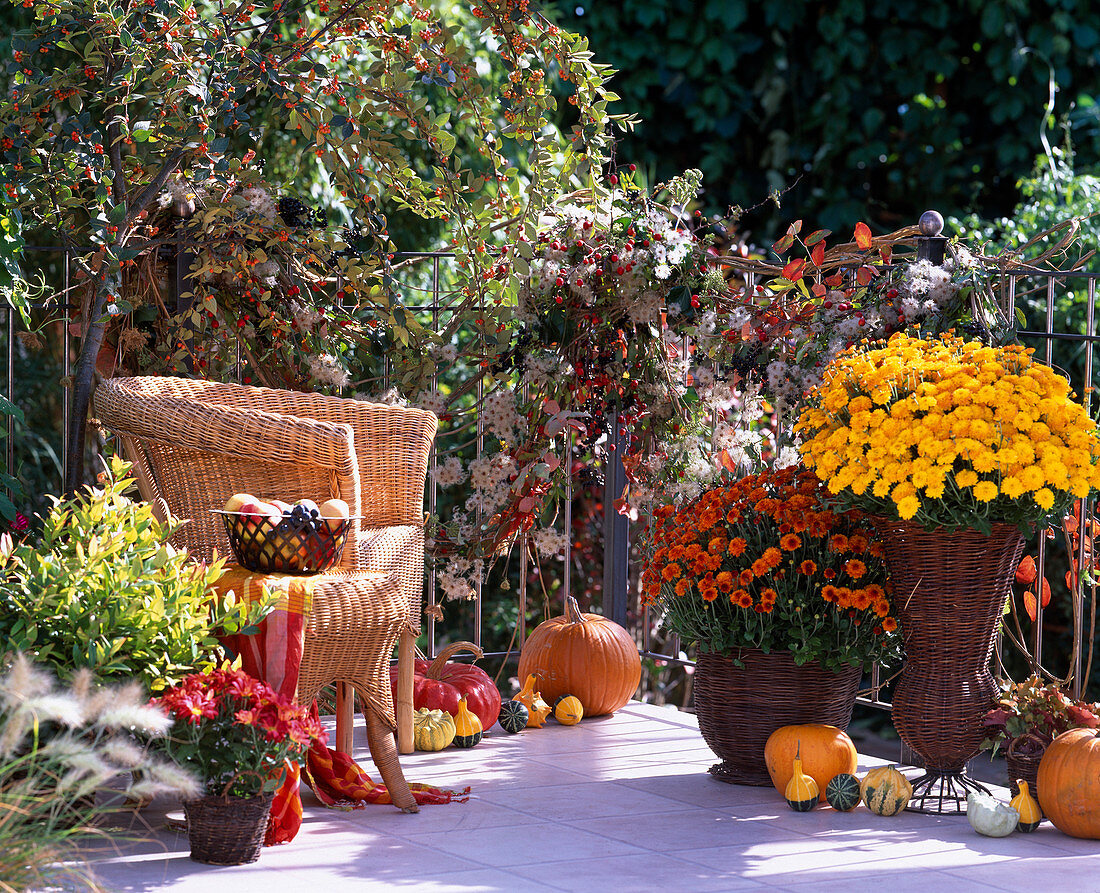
(102, 588)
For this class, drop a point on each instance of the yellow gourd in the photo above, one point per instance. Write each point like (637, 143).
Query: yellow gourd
(885, 790)
(468, 729)
(1027, 807)
(537, 708)
(568, 710)
(432, 729)
(801, 791)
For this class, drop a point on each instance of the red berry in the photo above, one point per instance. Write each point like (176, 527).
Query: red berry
(559, 282)
(613, 180)
(632, 167)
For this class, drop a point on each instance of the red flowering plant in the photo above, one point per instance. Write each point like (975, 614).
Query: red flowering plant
(764, 562)
(235, 732)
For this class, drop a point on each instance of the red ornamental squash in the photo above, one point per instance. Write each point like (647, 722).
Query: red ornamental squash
(439, 685)
(585, 655)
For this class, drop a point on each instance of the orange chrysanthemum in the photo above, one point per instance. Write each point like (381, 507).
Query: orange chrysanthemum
(790, 542)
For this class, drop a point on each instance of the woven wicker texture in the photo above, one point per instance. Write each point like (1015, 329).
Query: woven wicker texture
(739, 707)
(195, 443)
(353, 625)
(951, 589)
(1023, 766)
(227, 830)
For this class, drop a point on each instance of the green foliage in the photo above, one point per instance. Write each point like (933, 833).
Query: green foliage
(57, 747)
(103, 589)
(877, 110)
(1057, 201)
(115, 134)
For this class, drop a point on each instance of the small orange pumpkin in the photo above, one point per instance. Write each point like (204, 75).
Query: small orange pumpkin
(1069, 783)
(585, 655)
(826, 751)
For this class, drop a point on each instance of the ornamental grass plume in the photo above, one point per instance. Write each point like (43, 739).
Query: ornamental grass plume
(235, 732)
(57, 748)
(766, 563)
(951, 433)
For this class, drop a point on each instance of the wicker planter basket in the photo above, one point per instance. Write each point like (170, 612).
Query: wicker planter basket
(1023, 765)
(951, 589)
(227, 830)
(739, 707)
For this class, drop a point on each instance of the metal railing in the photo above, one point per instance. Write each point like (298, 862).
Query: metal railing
(1047, 290)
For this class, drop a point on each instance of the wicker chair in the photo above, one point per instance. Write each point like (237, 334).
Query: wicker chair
(195, 443)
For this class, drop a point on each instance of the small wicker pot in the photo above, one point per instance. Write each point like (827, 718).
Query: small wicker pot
(1022, 761)
(951, 588)
(739, 707)
(227, 830)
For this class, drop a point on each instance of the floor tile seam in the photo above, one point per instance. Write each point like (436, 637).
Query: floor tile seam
(806, 837)
(503, 869)
(569, 823)
(932, 875)
(670, 804)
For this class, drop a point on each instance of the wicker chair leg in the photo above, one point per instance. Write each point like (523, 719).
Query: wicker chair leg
(383, 750)
(404, 704)
(345, 717)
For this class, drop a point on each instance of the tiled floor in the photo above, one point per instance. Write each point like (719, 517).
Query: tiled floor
(616, 803)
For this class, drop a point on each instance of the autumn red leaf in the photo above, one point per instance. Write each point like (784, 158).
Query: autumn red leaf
(1029, 599)
(1082, 716)
(835, 281)
(793, 270)
(783, 244)
(816, 236)
(727, 462)
(817, 256)
(819, 290)
(885, 252)
(865, 274)
(863, 235)
(795, 228)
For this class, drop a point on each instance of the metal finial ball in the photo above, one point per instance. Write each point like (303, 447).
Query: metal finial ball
(931, 223)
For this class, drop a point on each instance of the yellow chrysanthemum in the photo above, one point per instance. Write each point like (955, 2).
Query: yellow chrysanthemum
(908, 507)
(985, 491)
(966, 478)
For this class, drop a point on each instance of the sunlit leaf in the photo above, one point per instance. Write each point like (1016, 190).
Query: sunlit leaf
(863, 235)
(793, 270)
(818, 235)
(817, 256)
(865, 274)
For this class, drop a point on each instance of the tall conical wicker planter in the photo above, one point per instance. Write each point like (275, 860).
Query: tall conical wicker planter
(739, 707)
(950, 588)
(227, 830)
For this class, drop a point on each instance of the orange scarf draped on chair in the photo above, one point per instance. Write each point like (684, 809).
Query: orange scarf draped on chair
(274, 654)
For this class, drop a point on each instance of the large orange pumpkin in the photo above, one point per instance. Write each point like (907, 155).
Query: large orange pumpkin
(826, 751)
(584, 655)
(1069, 783)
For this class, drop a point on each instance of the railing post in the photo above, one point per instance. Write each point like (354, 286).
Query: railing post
(931, 243)
(616, 528)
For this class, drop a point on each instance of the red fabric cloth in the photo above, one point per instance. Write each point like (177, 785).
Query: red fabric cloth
(274, 654)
